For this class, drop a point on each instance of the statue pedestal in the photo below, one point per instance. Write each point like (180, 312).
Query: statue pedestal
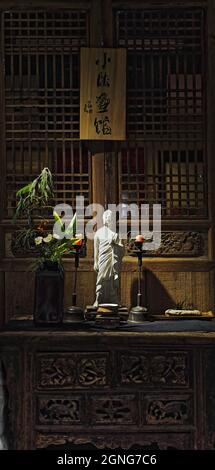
(107, 314)
(93, 313)
(107, 319)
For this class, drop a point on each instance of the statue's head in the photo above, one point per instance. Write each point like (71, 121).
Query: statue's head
(108, 218)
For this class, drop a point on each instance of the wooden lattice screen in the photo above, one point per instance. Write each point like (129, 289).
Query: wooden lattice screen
(41, 55)
(164, 158)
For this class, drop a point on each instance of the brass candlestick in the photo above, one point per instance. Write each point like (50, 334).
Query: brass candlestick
(138, 313)
(73, 312)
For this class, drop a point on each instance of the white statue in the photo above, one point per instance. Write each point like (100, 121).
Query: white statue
(108, 253)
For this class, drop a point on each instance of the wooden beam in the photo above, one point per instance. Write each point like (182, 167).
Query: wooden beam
(2, 298)
(98, 179)
(107, 23)
(96, 36)
(133, 4)
(210, 124)
(129, 264)
(2, 126)
(101, 31)
(2, 174)
(101, 36)
(111, 176)
(26, 5)
(110, 156)
(98, 171)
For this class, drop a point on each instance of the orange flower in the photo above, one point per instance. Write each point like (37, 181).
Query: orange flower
(78, 242)
(140, 238)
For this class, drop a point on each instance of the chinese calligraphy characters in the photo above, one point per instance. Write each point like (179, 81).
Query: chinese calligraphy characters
(103, 102)
(102, 125)
(102, 94)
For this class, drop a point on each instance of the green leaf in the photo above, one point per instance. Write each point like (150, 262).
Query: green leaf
(71, 229)
(58, 220)
(24, 190)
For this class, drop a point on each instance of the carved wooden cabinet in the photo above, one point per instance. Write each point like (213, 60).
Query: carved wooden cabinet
(110, 389)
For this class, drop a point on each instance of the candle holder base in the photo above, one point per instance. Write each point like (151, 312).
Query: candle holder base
(138, 315)
(73, 314)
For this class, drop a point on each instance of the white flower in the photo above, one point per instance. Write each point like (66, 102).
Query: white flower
(38, 240)
(56, 236)
(79, 235)
(48, 238)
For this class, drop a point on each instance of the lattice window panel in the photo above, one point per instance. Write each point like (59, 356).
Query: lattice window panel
(165, 72)
(164, 159)
(173, 178)
(68, 161)
(42, 76)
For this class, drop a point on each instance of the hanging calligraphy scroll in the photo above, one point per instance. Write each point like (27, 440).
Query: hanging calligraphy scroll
(103, 94)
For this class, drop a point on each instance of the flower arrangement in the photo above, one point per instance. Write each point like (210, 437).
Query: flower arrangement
(35, 236)
(51, 248)
(33, 200)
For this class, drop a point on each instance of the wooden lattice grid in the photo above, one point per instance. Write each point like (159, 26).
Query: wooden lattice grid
(41, 56)
(164, 158)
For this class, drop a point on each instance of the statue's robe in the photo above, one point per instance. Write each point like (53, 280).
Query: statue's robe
(108, 252)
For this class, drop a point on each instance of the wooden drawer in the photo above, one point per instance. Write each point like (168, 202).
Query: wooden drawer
(59, 410)
(166, 410)
(114, 410)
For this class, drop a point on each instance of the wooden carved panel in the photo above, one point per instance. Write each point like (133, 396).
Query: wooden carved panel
(181, 244)
(168, 411)
(59, 411)
(152, 368)
(72, 370)
(114, 410)
(147, 440)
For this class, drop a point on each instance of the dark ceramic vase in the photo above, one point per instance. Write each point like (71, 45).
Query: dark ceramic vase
(49, 293)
